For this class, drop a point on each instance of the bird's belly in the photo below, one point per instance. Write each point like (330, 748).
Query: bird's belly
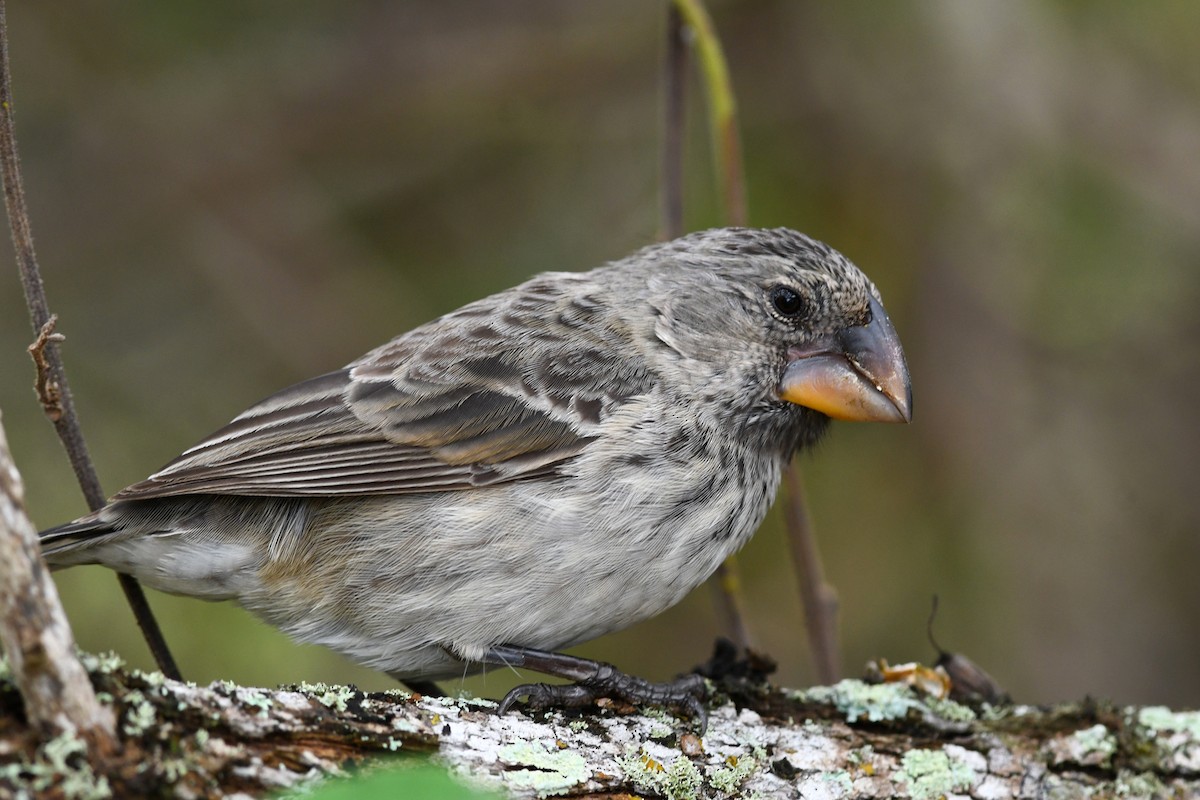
(537, 564)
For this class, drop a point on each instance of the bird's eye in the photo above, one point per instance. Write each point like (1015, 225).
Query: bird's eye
(787, 301)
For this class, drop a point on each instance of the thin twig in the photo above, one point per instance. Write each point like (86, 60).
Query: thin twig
(727, 588)
(675, 97)
(51, 375)
(820, 603)
(819, 598)
(722, 110)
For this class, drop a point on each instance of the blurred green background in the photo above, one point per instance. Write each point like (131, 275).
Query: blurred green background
(231, 197)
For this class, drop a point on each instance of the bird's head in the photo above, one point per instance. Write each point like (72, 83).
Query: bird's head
(766, 320)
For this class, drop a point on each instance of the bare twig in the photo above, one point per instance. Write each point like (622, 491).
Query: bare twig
(819, 598)
(51, 376)
(820, 602)
(722, 110)
(727, 586)
(33, 628)
(675, 93)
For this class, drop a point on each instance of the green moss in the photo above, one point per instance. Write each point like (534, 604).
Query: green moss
(552, 772)
(930, 774)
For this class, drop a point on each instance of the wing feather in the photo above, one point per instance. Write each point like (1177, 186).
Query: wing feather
(430, 411)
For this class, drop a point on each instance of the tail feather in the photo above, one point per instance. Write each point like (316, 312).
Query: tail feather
(66, 545)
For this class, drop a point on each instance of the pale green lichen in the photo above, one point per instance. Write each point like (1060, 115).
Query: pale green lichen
(62, 764)
(950, 710)
(1161, 718)
(174, 768)
(858, 700)
(930, 774)
(679, 780)
(155, 680)
(1140, 784)
(659, 731)
(59, 750)
(991, 713)
(730, 778)
(406, 725)
(552, 771)
(140, 715)
(201, 738)
(861, 755)
(1096, 741)
(394, 744)
(683, 780)
(467, 702)
(843, 783)
(335, 697)
(103, 663)
(256, 698)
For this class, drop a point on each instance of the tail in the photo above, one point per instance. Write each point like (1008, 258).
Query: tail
(69, 544)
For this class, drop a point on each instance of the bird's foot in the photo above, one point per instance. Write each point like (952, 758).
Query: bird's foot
(595, 680)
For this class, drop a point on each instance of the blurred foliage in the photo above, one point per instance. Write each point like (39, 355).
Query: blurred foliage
(426, 781)
(229, 198)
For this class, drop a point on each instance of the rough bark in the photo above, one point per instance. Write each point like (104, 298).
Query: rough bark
(849, 740)
(34, 631)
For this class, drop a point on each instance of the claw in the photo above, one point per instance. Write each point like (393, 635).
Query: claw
(595, 680)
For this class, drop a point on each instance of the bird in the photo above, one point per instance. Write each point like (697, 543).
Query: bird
(538, 468)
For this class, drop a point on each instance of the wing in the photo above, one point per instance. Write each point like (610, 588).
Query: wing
(510, 388)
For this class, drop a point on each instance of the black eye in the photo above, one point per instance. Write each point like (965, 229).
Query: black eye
(787, 301)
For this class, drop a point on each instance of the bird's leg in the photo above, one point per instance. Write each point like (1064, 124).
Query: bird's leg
(593, 680)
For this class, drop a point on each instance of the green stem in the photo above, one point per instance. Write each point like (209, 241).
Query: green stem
(722, 110)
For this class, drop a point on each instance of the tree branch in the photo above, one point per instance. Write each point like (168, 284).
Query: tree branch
(847, 740)
(33, 628)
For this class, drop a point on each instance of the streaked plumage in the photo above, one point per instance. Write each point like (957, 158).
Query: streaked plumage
(537, 468)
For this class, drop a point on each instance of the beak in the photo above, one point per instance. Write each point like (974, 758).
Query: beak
(857, 374)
